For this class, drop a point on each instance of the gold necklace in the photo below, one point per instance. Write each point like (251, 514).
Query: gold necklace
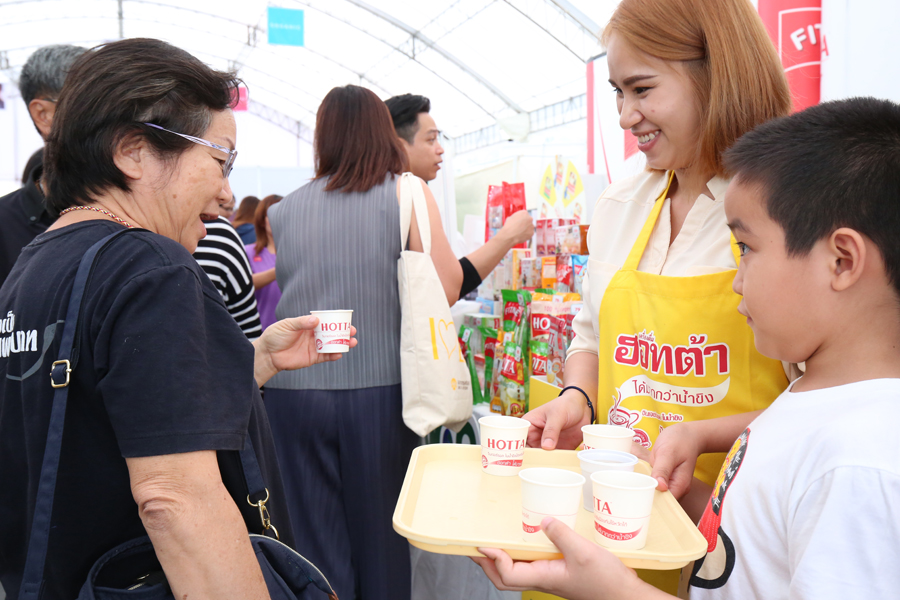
(97, 210)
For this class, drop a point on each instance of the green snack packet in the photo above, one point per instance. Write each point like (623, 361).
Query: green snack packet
(540, 350)
(465, 336)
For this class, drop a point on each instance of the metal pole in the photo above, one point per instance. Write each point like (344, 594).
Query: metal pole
(121, 22)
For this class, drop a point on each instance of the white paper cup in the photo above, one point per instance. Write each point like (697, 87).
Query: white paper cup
(333, 330)
(548, 493)
(601, 460)
(502, 444)
(622, 505)
(607, 437)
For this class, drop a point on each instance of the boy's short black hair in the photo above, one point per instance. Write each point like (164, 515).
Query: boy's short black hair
(405, 111)
(833, 165)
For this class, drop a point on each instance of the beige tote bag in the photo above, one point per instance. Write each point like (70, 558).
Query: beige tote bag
(437, 389)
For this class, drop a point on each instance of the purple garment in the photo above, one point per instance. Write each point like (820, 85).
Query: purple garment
(266, 297)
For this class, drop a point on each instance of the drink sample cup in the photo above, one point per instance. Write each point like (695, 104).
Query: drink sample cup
(333, 330)
(622, 505)
(502, 444)
(548, 493)
(602, 460)
(607, 437)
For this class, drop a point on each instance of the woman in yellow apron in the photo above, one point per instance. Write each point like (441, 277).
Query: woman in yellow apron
(659, 340)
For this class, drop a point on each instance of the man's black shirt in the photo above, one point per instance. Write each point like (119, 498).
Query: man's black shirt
(23, 216)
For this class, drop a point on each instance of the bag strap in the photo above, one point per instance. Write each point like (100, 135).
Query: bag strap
(60, 374)
(412, 195)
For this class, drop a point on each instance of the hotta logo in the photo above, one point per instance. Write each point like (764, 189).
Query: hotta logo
(495, 444)
(641, 349)
(335, 327)
(615, 535)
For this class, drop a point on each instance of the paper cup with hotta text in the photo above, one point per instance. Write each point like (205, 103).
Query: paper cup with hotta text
(601, 460)
(607, 437)
(333, 330)
(622, 504)
(548, 493)
(502, 444)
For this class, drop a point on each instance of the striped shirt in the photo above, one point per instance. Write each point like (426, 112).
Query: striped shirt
(221, 255)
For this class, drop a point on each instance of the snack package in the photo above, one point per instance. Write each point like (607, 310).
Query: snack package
(465, 336)
(501, 276)
(579, 268)
(502, 201)
(570, 239)
(548, 324)
(489, 336)
(494, 216)
(546, 229)
(530, 273)
(563, 273)
(540, 350)
(584, 238)
(513, 389)
(548, 272)
(510, 387)
(519, 256)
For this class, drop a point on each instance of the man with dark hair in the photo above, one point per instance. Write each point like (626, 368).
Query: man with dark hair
(419, 135)
(23, 213)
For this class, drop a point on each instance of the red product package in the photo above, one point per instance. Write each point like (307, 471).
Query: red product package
(564, 273)
(502, 201)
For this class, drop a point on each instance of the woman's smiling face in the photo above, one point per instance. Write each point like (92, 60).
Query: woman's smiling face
(657, 102)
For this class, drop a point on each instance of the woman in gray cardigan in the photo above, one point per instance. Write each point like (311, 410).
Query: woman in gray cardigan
(339, 433)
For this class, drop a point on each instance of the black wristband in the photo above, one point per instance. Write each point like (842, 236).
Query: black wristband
(586, 397)
(471, 278)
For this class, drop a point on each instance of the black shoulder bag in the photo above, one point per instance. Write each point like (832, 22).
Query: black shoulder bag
(131, 570)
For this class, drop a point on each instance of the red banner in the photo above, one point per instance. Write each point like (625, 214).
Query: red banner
(795, 27)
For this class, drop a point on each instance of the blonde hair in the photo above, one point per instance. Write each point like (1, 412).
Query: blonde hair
(737, 76)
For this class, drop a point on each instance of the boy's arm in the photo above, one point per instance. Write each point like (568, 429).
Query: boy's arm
(675, 452)
(586, 571)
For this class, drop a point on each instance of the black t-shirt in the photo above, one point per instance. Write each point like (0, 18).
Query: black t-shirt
(163, 369)
(23, 215)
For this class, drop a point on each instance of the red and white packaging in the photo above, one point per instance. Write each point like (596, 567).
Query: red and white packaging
(546, 234)
(333, 331)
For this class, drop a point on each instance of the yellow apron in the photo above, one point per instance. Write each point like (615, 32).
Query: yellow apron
(675, 349)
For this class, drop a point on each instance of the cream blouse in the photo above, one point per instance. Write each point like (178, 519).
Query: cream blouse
(703, 245)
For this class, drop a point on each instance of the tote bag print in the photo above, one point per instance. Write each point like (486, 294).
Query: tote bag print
(437, 389)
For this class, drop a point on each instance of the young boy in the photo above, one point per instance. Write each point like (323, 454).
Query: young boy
(808, 501)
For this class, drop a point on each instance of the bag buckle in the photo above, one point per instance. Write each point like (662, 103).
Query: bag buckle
(54, 372)
(264, 514)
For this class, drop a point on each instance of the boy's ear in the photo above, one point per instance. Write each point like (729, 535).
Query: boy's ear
(130, 155)
(848, 253)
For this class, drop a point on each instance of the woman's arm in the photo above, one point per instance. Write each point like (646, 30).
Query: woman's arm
(263, 278)
(558, 423)
(445, 262)
(289, 344)
(197, 530)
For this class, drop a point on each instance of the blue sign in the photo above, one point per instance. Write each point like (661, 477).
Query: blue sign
(285, 26)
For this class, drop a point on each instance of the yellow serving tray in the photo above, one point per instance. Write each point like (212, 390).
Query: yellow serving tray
(448, 506)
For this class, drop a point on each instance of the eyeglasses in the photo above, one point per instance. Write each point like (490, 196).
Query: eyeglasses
(232, 154)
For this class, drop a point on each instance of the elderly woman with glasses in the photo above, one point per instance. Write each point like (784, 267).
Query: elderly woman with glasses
(166, 389)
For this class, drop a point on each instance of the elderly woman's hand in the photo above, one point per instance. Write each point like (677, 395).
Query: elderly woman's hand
(290, 344)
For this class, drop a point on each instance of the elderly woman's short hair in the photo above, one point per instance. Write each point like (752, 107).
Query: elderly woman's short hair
(109, 95)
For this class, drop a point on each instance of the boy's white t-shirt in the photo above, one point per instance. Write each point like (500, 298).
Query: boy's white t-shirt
(808, 504)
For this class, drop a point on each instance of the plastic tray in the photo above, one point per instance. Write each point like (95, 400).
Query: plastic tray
(448, 506)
